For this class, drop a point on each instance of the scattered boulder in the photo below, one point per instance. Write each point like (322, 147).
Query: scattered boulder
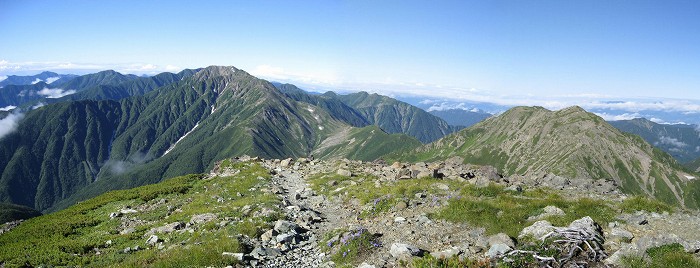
(403, 251)
(366, 265)
(285, 162)
(548, 212)
(501, 238)
(344, 172)
(168, 228)
(537, 230)
(282, 226)
(152, 240)
(236, 256)
(446, 253)
(621, 235)
(202, 218)
(497, 250)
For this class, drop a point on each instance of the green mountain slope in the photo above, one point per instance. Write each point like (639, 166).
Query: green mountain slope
(12, 212)
(16, 95)
(55, 151)
(84, 148)
(680, 141)
(367, 144)
(459, 117)
(394, 116)
(337, 108)
(95, 233)
(571, 143)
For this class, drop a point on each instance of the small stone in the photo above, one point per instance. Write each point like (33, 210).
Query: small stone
(514, 188)
(621, 235)
(267, 236)
(441, 186)
(366, 265)
(285, 162)
(401, 205)
(282, 226)
(399, 220)
(114, 215)
(497, 249)
(401, 251)
(447, 253)
(152, 240)
(236, 256)
(128, 211)
(344, 172)
(501, 238)
(202, 218)
(127, 250)
(422, 219)
(420, 195)
(285, 238)
(537, 230)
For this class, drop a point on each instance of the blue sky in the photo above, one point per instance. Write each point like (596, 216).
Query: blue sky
(473, 50)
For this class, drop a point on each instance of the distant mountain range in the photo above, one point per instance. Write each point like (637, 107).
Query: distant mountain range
(461, 117)
(117, 131)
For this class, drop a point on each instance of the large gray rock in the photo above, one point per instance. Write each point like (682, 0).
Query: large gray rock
(586, 223)
(537, 230)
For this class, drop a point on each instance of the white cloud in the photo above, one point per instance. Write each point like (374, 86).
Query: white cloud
(38, 105)
(52, 79)
(29, 67)
(171, 68)
(451, 106)
(324, 78)
(53, 93)
(3, 77)
(7, 108)
(618, 117)
(9, 123)
(672, 141)
(36, 81)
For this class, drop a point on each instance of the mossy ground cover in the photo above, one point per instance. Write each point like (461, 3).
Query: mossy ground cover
(498, 210)
(77, 236)
(379, 199)
(666, 256)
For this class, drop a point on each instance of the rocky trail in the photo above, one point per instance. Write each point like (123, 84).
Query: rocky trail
(316, 223)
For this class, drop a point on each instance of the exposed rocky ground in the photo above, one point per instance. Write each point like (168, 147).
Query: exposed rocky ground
(310, 213)
(309, 236)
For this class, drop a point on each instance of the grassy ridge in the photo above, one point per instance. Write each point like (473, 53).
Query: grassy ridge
(74, 236)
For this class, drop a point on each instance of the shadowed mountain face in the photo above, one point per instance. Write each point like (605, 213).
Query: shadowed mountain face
(681, 141)
(394, 116)
(71, 150)
(571, 143)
